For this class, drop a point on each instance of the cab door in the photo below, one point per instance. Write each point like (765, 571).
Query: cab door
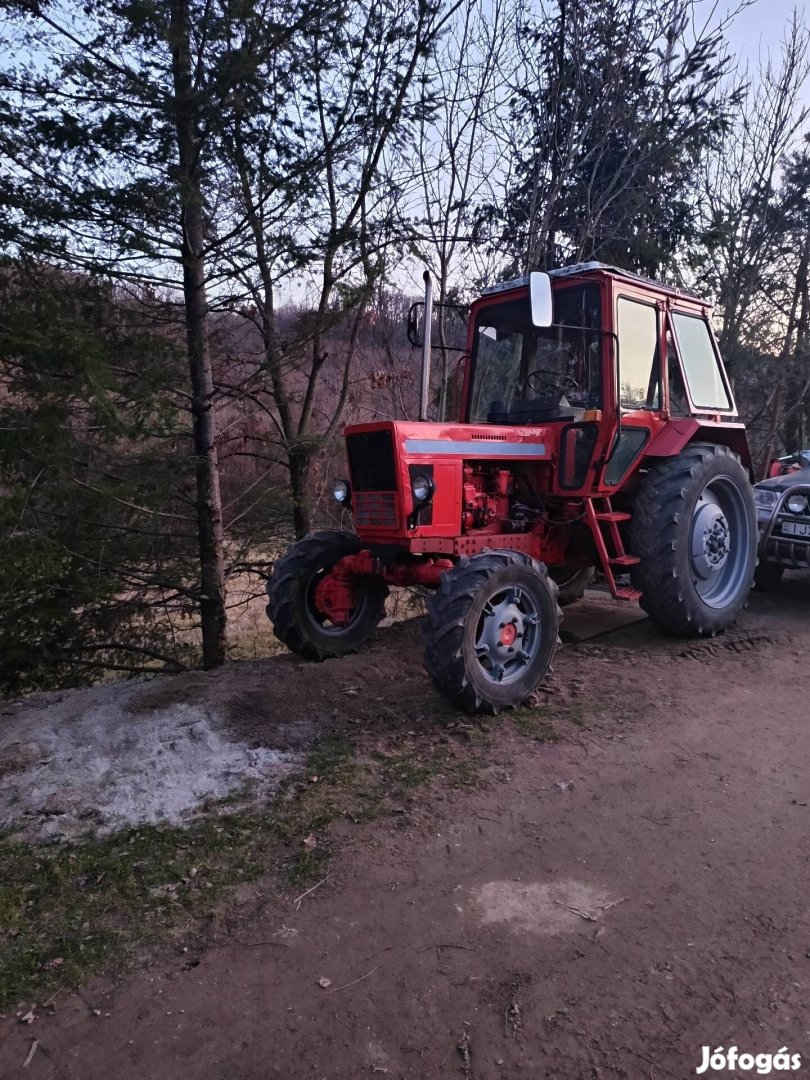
(639, 326)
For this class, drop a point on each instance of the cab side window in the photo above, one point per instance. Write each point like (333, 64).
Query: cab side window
(639, 362)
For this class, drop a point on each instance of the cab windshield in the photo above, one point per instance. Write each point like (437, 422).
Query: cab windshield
(528, 374)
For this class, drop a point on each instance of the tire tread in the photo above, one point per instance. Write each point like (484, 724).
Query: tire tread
(658, 518)
(445, 619)
(284, 606)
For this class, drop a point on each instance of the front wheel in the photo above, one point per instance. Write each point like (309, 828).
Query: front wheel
(292, 608)
(694, 531)
(490, 630)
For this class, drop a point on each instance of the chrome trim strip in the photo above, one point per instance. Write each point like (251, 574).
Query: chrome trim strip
(474, 448)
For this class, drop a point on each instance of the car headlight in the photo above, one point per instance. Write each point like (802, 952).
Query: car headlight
(422, 487)
(797, 504)
(765, 499)
(341, 491)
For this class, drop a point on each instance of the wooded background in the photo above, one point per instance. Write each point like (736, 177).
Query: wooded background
(210, 213)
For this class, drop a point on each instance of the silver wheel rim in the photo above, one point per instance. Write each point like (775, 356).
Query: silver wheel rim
(508, 635)
(719, 543)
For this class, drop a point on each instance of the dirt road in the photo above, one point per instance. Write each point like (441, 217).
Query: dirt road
(600, 906)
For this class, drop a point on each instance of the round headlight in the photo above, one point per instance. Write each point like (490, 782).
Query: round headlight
(341, 491)
(765, 498)
(422, 487)
(797, 504)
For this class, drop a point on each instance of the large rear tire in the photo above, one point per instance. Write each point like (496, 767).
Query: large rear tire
(291, 595)
(490, 630)
(694, 529)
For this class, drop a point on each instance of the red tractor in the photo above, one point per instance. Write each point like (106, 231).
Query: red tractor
(597, 431)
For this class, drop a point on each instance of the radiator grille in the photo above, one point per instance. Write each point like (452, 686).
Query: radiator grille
(375, 509)
(371, 461)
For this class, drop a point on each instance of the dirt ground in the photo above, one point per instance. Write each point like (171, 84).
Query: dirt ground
(599, 906)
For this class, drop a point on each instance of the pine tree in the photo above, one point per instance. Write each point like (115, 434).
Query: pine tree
(97, 544)
(615, 107)
(112, 140)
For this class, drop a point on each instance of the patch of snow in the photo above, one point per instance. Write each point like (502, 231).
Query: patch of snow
(83, 762)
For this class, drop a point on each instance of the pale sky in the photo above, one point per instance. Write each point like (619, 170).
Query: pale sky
(760, 29)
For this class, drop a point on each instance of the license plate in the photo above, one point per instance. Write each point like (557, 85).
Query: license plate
(795, 528)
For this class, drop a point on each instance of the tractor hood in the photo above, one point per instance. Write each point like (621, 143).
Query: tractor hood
(469, 442)
(473, 442)
(386, 459)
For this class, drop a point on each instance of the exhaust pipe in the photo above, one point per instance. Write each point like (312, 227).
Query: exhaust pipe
(425, 390)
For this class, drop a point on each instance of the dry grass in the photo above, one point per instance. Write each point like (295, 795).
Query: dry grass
(68, 910)
(250, 633)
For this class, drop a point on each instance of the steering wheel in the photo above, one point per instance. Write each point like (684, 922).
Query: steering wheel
(548, 379)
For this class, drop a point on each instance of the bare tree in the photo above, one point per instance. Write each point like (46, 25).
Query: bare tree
(326, 216)
(742, 223)
(459, 157)
(751, 252)
(780, 372)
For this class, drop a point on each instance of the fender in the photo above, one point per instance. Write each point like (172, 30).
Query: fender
(678, 433)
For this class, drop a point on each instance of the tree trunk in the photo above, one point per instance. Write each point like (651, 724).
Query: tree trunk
(794, 324)
(302, 511)
(204, 436)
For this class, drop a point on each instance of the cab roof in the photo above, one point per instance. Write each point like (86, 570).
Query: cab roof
(583, 268)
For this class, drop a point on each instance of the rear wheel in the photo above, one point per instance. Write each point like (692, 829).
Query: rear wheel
(571, 583)
(491, 630)
(694, 530)
(295, 616)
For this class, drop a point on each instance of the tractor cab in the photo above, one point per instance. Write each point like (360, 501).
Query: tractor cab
(610, 338)
(618, 358)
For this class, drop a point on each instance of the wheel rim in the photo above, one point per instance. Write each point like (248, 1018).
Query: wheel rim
(719, 543)
(321, 620)
(507, 636)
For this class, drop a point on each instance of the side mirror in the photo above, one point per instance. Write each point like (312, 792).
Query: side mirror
(540, 295)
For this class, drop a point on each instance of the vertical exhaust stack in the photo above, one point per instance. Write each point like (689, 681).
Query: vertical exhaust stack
(425, 389)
